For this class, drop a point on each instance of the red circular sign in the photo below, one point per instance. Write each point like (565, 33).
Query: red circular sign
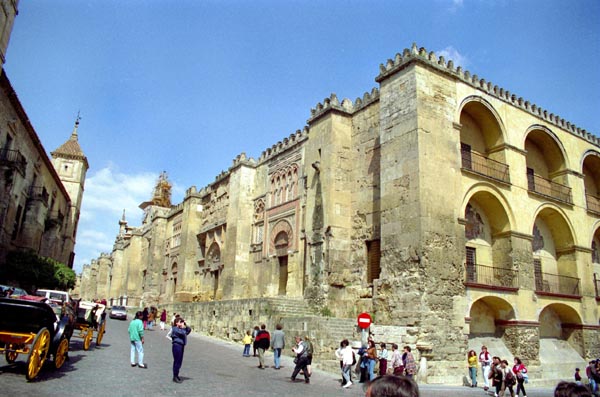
(364, 320)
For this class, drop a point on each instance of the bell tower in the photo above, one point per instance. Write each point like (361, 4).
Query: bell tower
(71, 166)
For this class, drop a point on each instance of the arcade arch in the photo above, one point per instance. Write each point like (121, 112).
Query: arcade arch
(591, 178)
(482, 139)
(486, 314)
(555, 265)
(488, 246)
(546, 164)
(561, 322)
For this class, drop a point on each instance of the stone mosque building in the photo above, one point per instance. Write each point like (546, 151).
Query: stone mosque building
(453, 211)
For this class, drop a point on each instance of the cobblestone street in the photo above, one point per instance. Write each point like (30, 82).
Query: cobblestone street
(211, 367)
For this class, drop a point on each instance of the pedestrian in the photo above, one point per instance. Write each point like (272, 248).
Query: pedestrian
(309, 354)
(175, 315)
(472, 365)
(363, 364)
(347, 357)
(372, 359)
(496, 375)
(508, 379)
(136, 338)
(247, 341)
(145, 317)
(521, 373)
(410, 365)
(339, 355)
(163, 319)
(485, 359)
(277, 344)
(594, 376)
(577, 376)
(300, 350)
(151, 316)
(262, 342)
(571, 389)
(396, 363)
(254, 333)
(392, 386)
(382, 355)
(179, 335)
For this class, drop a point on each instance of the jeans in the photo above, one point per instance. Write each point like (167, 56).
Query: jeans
(246, 350)
(486, 372)
(139, 347)
(473, 373)
(177, 358)
(277, 356)
(346, 373)
(372, 369)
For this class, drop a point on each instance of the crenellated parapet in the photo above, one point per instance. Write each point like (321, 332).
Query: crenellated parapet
(281, 146)
(415, 54)
(330, 104)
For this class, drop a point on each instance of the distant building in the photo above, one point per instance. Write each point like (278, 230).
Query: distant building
(455, 212)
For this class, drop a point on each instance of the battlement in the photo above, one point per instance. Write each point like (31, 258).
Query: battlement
(285, 144)
(415, 54)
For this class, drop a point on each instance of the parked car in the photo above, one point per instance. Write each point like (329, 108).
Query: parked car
(119, 312)
(16, 291)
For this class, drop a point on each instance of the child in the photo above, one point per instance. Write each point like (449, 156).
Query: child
(577, 376)
(247, 341)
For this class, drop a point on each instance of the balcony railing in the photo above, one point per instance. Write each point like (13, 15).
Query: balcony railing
(593, 203)
(482, 165)
(495, 277)
(13, 158)
(546, 187)
(557, 285)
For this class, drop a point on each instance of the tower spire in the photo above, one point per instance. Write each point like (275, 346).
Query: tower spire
(74, 133)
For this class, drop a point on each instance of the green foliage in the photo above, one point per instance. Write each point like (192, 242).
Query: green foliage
(326, 312)
(32, 271)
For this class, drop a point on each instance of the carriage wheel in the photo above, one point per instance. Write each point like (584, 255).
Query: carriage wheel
(61, 353)
(88, 338)
(100, 333)
(38, 354)
(10, 356)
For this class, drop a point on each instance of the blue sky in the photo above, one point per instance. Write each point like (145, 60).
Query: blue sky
(185, 86)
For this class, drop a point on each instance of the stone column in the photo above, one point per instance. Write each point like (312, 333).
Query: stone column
(523, 340)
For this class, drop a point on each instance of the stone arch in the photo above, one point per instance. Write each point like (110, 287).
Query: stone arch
(281, 233)
(545, 152)
(559, 321)
(590, 168)
(493, 198)
(554, 256)
(486, 312)
(479, 113)
(595, 247)
(213, 256)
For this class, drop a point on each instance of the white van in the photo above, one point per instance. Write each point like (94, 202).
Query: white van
(54, 295)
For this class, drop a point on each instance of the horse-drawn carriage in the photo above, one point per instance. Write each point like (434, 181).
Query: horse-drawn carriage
(32, 328)
(90, 317)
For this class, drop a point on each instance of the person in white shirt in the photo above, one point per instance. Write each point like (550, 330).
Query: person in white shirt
(485, 359)
(347, 360)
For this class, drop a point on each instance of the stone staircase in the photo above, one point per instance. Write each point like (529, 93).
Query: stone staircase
(288, 307)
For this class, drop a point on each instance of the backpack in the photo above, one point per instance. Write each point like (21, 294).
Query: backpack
(309, 348)
(509, 379)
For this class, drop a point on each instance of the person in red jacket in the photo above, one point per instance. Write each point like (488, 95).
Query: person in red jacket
(262, 341)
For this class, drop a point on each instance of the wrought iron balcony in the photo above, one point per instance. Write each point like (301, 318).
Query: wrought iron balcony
(593, 203)
(14, 159)
(554, 284)
(491, 277)
(475, 162)
(546, 187)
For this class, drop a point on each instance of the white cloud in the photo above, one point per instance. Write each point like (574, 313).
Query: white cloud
(107, 193)
(451, 53)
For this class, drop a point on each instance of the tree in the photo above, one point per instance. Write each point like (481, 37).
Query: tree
(31, 271)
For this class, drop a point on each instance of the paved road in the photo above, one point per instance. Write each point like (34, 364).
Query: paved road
(210, 368)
